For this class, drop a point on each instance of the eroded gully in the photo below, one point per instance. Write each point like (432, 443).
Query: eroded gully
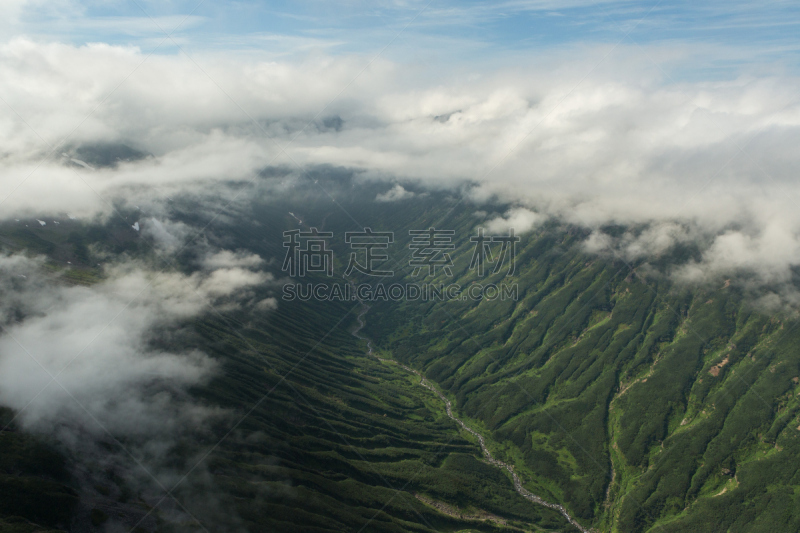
(525, 493)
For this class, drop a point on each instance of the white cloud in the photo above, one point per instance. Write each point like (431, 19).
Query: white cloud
(521, 220)
(167, 235)
(616, 147)
(766, 253)
(122, 369)
(226, 281)
(98, 342)
(655, 240)
(395, 194)
(598, 242)
(643, 243)
(267, 304)
(229, 259)
(97, 346)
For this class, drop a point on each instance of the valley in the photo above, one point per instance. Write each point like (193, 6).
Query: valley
(481, 440)
(599, 400)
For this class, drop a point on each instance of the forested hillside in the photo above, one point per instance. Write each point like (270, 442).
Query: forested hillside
(642, 404)
(638, 403)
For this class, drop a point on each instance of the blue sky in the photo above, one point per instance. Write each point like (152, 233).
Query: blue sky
(723, 34)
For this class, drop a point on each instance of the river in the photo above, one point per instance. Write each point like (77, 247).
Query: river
(525, 493)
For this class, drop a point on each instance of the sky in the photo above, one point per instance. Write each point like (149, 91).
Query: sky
(679, 120)
(675, 114)
(602, 97)
(726, 33)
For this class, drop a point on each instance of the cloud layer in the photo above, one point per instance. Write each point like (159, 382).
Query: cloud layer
(93, 357)
(624, 144)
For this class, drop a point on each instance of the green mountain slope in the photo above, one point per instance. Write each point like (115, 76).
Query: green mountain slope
(638, 404)
(687, 398)
(318, 435)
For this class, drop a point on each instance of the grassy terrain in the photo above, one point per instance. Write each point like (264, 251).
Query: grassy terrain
(687, 397)
(690, 397)
(318, 437)
(345, 441)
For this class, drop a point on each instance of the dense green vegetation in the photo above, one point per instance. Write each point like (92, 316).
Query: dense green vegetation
(690, 395)
(330, 446)
(318, 436)
(686, 396)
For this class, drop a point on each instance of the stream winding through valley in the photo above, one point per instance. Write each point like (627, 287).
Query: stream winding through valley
(525, 493)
